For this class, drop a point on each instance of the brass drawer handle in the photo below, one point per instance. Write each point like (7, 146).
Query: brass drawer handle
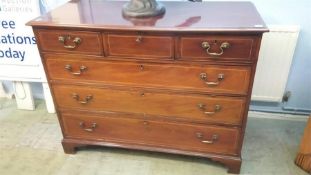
(205, 45)
(139, 39)
(90, 129)
(201, 137)
(63, 39)
(87, 99)
(82, 68)
(220, 77)
(202, 107)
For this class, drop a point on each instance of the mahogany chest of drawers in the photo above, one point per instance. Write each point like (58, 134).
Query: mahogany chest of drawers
(179, 83)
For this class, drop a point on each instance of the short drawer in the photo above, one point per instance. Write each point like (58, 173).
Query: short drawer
(208, 139)
(221, 79)
(217, 47)
(194, 108)
(70, 41)
(140, 46)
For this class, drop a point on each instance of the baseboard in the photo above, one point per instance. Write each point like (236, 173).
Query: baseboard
(278, 116)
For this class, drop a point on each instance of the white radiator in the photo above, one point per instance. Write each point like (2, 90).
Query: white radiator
(275, 58)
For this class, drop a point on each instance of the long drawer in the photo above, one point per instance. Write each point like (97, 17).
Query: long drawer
(210, 139)
(224, 110)
(222, 79)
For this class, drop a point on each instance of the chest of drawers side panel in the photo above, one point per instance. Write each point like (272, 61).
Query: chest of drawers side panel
(250, 87)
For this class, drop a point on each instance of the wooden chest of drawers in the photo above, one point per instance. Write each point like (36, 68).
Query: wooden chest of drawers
(179, 83)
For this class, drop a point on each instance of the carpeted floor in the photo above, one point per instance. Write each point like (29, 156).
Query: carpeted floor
(30, 145)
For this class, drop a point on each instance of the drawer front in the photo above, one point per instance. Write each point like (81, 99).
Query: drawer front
(70, 41)
(217, 47)
(153, 133)
(234, 79)
(227, 110)
(140, 46)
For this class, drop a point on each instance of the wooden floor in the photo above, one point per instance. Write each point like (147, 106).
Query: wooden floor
(30, 144)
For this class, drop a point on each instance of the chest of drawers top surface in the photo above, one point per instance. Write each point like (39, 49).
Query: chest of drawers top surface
(179, 16)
